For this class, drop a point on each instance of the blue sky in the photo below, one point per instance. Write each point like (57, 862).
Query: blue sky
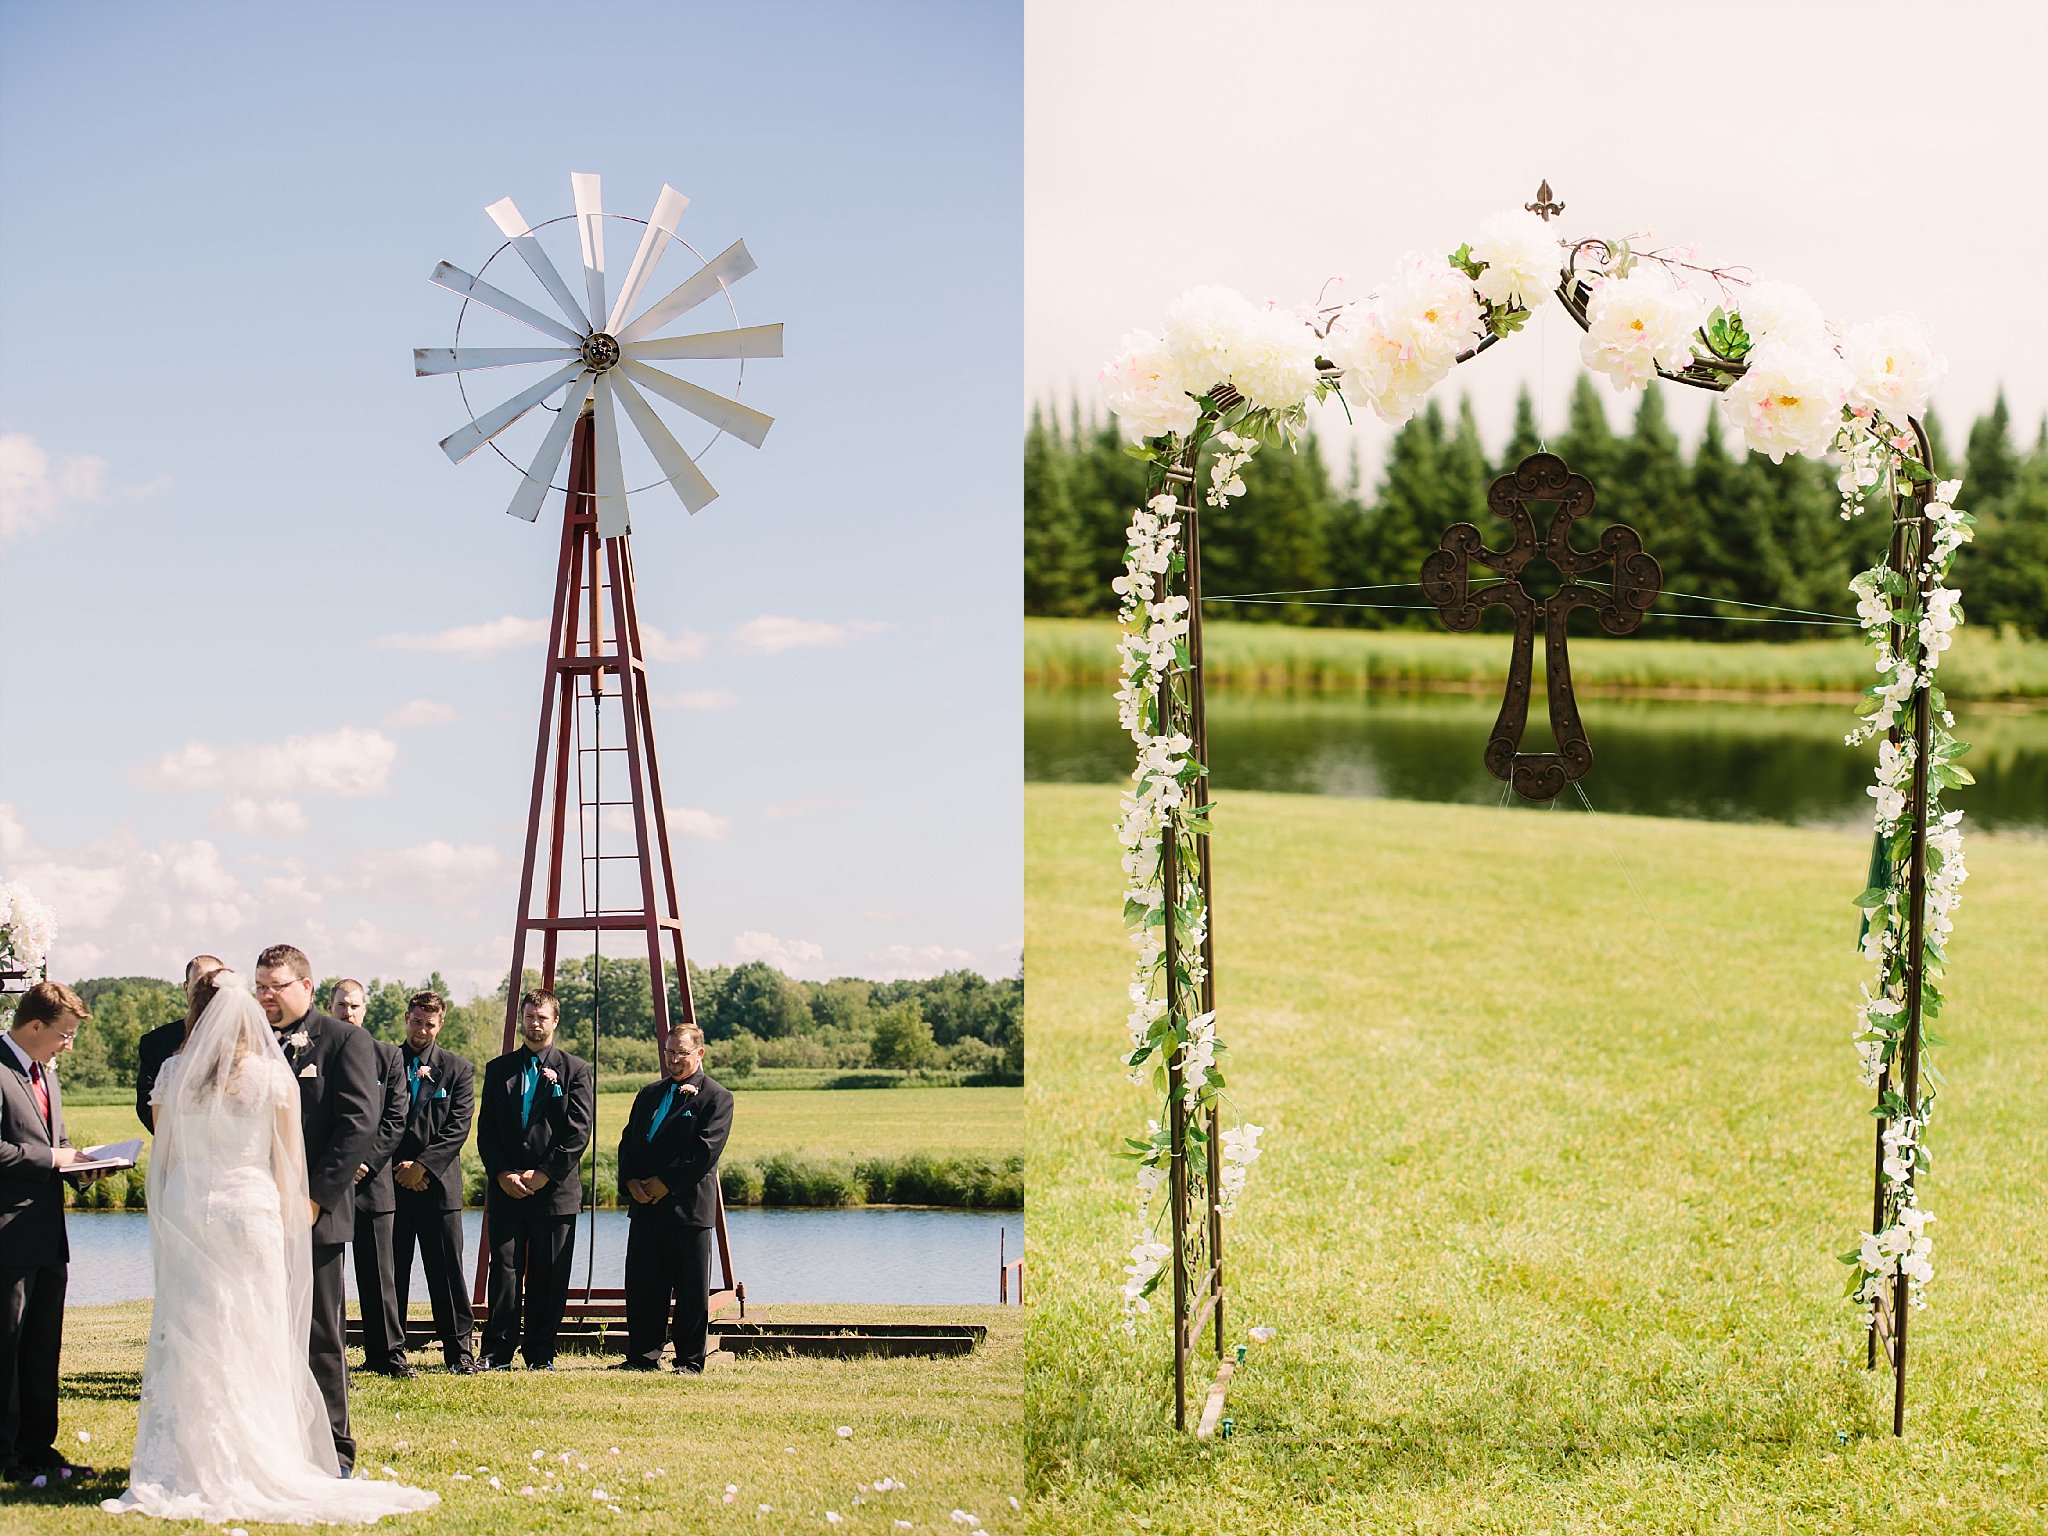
(259, 680)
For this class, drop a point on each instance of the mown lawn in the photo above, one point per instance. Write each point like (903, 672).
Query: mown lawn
(946, 1428)
(1563, 1136)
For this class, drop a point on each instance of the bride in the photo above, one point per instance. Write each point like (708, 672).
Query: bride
(232, 1426)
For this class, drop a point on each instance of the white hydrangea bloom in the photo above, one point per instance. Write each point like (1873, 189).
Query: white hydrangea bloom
(1893, 365)
(1522, 260)
(1638, 324)
(1790, 400)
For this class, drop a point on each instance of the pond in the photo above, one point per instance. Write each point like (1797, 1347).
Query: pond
(863, 1254)
(1710, 760)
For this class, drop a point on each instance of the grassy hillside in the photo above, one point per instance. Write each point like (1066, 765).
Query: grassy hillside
(1563, 1137)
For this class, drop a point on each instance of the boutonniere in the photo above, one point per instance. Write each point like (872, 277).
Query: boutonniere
(689, 1088)
(426, 1073)
(299, 1040)
(548, 1073)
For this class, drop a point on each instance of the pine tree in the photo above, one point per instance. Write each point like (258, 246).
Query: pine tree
(1057, 564)
(1410, 512)
(1525, 438)
(1271, 539)
(1588, 446)
(1993, 467)
(1652, 493)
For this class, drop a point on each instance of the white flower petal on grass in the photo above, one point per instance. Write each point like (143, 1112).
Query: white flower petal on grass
(846, 1431)
(832, 1517)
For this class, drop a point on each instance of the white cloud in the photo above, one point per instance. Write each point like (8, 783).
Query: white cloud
(417, 712)
(683, 821)
(904, 962)
(434, 870)
(770, 633)
(34, 492)
(683, 645)
(793, 957)
(348, 762)
(698, 698)
(260, 818)
(786, 809)
(474, 640)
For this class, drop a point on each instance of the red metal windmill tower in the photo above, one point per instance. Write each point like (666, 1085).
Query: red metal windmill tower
(594, 710)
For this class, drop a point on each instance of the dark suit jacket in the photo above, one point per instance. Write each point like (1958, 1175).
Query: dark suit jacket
(339, 1107)
(437, 1123)
(683, 1154)
(563, 1112)
(151, 1052)
(31, 1194)
(374, 1193)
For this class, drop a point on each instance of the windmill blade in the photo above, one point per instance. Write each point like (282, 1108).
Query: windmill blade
(612, 521)
(465, 440)
(540, 473)
(668, 212)
(590, 223)
(514, 227)
(431, 360)
(742, 341)
(455, 280)
(728, 266)
(683, 474)
(743, 422)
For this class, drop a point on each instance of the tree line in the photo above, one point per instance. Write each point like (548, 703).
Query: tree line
(755, 1016)
(1722, 523)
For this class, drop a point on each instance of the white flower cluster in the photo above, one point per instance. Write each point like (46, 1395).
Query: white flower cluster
(27, 929)
(1226, 470)
(1521, 260)
(1147, 1258)
(1885, 600)
(1214, 336)
(1394, 347)
(1637, 324)
(1240, 1150)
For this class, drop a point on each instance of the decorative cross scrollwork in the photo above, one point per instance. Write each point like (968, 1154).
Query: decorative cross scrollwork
(1447, 581)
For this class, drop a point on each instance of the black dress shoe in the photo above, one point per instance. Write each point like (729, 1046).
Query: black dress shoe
(463, 1367)
(634, 1365)
(545, 1365)
(398, 1370)
(689, 1370)
(494, 1365)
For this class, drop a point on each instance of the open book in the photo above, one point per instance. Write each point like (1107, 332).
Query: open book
(112, 1157)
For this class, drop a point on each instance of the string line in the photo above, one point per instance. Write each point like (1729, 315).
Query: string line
(1487, 586)
(1705, 618)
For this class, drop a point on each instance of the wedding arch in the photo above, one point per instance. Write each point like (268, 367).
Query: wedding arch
(1227, 376)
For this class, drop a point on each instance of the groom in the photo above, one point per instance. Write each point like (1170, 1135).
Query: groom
(339, 1106)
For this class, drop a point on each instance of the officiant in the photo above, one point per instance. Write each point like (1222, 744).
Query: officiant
(34, 1251)
(668, 1182)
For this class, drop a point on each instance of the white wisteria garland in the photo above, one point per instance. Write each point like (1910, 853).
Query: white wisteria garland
(1226, 373)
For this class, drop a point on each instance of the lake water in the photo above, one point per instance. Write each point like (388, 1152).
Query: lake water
(930, 1257)
(1716, 761)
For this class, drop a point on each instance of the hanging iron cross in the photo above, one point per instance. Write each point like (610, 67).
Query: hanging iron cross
(1447, 581)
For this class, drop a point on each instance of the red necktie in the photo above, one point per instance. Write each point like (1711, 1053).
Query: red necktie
(35, 1077)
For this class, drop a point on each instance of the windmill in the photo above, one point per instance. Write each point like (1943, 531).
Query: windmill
(599, 355)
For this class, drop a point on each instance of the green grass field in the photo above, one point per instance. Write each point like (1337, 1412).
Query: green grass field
(1284, 658)
(947, 1428)
(815, 1125)
(1563, 1136)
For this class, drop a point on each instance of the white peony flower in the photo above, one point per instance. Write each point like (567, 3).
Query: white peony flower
(1637, 324)
(1393, 349)
(1790, 400)
(1893, 364)
(1522, 260)
(1207, 328)
(1149, 396)
(1273, 363)
(1784, 311)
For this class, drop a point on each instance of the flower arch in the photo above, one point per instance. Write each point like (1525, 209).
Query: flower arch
(1226, 377)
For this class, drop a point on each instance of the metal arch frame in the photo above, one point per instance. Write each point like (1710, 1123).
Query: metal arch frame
(724, 289)
(1197, 1297)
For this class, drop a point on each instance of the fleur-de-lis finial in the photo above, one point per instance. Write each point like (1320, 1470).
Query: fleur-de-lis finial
(1543, 207)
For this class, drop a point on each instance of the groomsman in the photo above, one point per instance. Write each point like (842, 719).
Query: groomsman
(165, 1041)
(427, 1169)
(668, 1181)
(339, 1107)
(376, 1286)
(34, 1252)
(533, 1122)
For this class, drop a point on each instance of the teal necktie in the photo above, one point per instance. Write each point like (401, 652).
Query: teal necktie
(532, 1082)
(668, 1102)
(412, 1077)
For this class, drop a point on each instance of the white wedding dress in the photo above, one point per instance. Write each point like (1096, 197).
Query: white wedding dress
(232, 1426)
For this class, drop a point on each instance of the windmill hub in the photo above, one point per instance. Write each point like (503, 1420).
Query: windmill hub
(600, 351)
